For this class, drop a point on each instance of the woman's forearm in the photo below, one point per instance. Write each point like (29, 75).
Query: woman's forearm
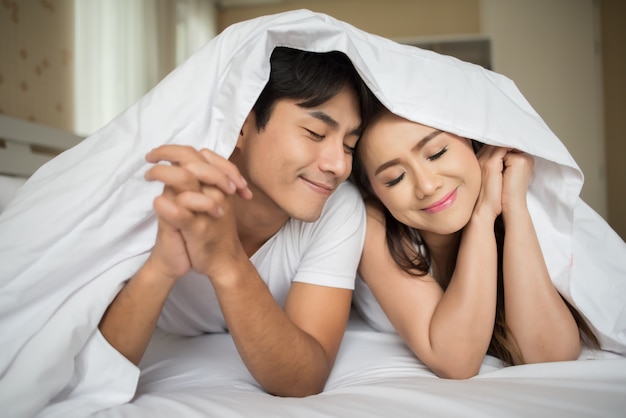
(463, 322)
(536, 315)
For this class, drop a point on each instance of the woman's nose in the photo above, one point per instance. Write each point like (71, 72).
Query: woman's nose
(426, 183)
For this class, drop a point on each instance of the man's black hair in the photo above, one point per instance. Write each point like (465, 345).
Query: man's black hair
(314, 78)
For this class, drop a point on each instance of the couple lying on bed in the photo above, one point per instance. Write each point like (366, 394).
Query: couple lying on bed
(266, 243)
(262, 234)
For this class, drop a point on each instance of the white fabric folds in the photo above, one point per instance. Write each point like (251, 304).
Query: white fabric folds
(83, 223)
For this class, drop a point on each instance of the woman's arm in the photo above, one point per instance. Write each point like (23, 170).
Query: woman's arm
(449, 331)
(538, 318)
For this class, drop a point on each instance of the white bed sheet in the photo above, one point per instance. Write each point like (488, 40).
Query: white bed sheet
(375, 375)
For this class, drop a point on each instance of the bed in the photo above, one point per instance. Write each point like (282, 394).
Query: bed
(375, 374)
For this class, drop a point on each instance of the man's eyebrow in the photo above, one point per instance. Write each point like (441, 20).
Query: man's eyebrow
(328, 120)
(324, 118)
(420, 144)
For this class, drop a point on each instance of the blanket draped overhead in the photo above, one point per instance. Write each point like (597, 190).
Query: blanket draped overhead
(83, 223)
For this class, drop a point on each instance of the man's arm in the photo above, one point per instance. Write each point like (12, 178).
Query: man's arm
(290, 352)
(131, 318)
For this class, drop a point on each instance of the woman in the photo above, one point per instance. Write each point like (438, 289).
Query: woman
(451, 254)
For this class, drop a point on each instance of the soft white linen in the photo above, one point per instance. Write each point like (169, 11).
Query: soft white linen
(8, 187)
(376, 375)
(60, 268)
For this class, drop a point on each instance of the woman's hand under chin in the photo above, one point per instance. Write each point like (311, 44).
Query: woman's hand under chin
(518, 170)
(491, 160)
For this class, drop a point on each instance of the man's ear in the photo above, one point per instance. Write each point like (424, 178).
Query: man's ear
(249, 126)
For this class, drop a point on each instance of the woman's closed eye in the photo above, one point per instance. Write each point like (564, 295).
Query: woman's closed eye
(439, 154)
(431, 158)
(395, 181)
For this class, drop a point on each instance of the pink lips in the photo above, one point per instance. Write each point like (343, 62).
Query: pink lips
(442, 204)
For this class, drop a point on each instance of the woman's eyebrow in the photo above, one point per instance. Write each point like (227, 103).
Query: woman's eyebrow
(420, 144)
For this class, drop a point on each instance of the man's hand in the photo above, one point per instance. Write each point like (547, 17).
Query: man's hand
(168, 257)
(197, 185)
(191, 171)
(197, 202)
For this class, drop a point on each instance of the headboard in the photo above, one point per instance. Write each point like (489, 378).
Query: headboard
(24, 147)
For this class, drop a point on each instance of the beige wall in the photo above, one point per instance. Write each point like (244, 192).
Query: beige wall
(549, 48)
(613, 16)
(36, 68)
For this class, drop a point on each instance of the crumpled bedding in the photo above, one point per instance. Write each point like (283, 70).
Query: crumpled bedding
(83, 223)
(376, 375)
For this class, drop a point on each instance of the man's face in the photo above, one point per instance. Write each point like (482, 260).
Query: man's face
(302, 155)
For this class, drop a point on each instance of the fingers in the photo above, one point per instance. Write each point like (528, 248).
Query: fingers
(177, 178)
(175, 154)
(168, 210)
(180, 209)
(231, 171)
(506, 176)
(518, 170)
(208, 201)
(174, 214)
(197, 184)
(515, 157)
(489, 154)
(500, 159)
(204, 166)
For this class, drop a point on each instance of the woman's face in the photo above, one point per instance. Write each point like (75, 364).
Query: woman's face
(427, 179)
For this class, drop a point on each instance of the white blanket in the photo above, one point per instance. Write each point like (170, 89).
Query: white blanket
(84, 223)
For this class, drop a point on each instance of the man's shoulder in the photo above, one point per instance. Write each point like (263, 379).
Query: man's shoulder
(346, 195)
(345, 205)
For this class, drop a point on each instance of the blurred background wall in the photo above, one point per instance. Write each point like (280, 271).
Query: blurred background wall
(36, 61)
(75, 64)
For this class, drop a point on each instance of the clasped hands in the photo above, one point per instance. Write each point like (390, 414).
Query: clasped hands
(506, 175)
(196, 220)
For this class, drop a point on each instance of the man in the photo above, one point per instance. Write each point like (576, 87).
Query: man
(266, 243)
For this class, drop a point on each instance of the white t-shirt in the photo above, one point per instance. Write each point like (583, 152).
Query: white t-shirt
(325, 252)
